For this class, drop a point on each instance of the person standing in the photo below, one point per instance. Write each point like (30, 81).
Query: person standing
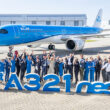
(92, 69)
(29, 64)
(8, 66)
(23, 68)
(104, 73)
(37, 66)
(45, 66)
(65, 65)
(72, 60)
(82, 65)
(107, 68)
(56, 66)
(61, 68)
(2, 68)
(17, 63)
(76, 69)
(86, 69)
(13, 64)
(98, 67)
(70, 66)
(51, 65)
(43, 55)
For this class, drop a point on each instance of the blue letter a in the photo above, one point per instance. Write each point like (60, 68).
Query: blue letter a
(9, 84)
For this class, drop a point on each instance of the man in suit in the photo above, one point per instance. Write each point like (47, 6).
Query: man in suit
(23, 68)
(45, 65)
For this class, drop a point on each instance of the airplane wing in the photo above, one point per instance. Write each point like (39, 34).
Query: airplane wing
(95, 35)
(104, 30)
(84, 37)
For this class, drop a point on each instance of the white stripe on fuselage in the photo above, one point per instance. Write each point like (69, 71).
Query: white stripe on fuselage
(47, 40)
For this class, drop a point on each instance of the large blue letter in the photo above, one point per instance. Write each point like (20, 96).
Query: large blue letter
(107, 86)
(33, 82)
(81, 84)
(67, 78)
(51, 83)
(98, 87)
(9, 84)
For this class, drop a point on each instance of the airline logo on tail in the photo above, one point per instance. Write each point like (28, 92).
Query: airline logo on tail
(98, 19)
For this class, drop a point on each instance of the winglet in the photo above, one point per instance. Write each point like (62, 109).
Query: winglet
(98, 19)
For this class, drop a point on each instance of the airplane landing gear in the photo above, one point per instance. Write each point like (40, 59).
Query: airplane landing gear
(51, 47)
(10, 54)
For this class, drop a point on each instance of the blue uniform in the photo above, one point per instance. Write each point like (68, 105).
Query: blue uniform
(2, 67)
(61, 66)
(86, 71)
(28, 67)
(45, 66)
(92, 70)
(13, 65)
(8, 66)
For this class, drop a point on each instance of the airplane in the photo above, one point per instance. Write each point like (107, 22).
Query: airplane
(34, 35)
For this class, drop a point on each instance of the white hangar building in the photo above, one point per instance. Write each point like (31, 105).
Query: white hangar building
(44, 19)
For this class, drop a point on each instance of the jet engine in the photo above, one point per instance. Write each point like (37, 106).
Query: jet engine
(75, 44)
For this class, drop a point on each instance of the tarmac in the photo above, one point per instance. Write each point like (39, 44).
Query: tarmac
(39, 100)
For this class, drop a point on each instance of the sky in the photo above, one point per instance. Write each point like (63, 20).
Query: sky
(88, 7)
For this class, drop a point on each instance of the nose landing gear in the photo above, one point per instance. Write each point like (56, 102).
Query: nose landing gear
(51, 47)
(10, 54)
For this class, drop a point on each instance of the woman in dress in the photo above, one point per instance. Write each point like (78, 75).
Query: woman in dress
(61, 68)
(51, 65)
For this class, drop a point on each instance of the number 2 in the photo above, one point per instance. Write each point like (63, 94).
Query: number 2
(46, 87)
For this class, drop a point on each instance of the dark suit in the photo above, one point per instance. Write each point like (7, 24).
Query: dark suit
(23, 68)
(18, 66)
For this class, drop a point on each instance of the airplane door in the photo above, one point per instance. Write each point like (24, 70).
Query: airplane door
(16, 32)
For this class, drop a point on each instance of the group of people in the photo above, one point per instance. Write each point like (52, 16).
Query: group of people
(49, 63)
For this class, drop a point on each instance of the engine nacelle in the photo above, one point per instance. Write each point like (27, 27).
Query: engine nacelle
(75, 44)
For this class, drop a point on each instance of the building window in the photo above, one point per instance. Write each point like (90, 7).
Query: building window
(109, 22)
(62, 23)
(33, 22)
(76, 23)
(13, 22)
(82, 23)
(48, 22)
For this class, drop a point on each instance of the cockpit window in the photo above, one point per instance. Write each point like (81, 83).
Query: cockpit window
(3, 31)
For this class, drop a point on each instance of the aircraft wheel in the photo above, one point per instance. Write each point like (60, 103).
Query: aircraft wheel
(53, 47)
(10, 54)
(49, 47)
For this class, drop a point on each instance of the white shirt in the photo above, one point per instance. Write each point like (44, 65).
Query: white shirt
(107, 66)
(69, 61)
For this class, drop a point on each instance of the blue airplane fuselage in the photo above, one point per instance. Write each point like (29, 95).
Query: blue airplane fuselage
(21, 34)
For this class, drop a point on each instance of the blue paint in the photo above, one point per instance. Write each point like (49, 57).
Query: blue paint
(1, 76)
(51, 83)
(9, 84)
(35, 82)
(67, 78)
(34, 85)
(20, 34)
(94, 88)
